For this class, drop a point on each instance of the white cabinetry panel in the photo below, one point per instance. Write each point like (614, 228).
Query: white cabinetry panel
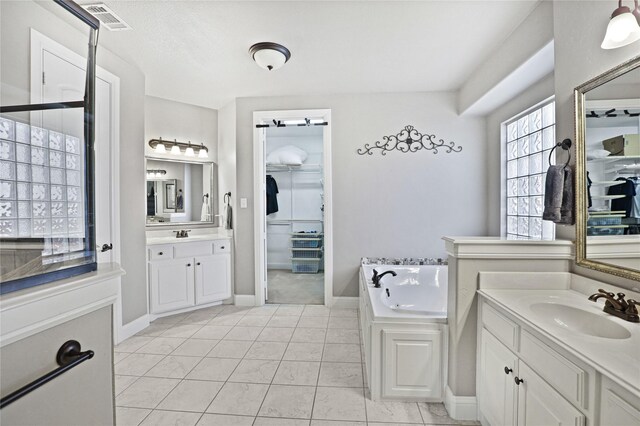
(497, 395)
(212, 277)
(404, 351)
(540, 404)
(172, 285)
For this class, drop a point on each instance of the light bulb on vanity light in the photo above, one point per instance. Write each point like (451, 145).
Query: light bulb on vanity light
(175, 149)
(160, 148)
(189, 152)
(203, 152)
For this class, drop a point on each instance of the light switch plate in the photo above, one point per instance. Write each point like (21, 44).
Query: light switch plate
(243, 203)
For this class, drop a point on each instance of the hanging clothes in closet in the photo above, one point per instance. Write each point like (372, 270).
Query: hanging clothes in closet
(272, 198)
(627, 189)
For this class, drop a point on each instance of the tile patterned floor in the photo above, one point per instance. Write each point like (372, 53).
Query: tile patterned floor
(275, 365)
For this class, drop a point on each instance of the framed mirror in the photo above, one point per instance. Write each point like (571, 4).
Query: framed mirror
(181, 192)
(607, 117)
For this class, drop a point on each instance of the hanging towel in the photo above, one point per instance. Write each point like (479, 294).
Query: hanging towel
(228, 223)
(553, 190)
(205, 214)
(566, 210)
(558, 196)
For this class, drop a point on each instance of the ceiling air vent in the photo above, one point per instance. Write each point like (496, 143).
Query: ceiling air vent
(110, 20)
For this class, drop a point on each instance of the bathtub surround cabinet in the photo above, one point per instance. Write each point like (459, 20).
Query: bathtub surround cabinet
(404, 352)
(188, 273)
(532, 371)
(35, 323)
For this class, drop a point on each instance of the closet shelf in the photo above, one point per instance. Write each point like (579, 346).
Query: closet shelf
(607, 183)
(309, 168)
(288, 221)
(607, 197)
(614, 158)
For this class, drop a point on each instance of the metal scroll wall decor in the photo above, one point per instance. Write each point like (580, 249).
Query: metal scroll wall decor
(409, 140)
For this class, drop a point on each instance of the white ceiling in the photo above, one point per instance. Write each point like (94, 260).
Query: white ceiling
(197, 51)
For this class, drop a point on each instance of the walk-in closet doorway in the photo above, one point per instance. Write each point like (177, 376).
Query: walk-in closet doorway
(293, 214)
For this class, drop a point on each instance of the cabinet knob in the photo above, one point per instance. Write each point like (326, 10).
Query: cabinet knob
(198, 263)
(160, 254)
(188, 264)
(221, 247)
(518, 380)
(507, 370)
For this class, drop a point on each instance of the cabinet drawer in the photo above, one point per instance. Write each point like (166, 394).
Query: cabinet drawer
(222, 246)
(503, 328)
(192, 249)
(565, 376)
(161, 252)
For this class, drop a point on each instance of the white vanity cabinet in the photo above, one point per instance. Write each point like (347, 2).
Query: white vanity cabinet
(189, 274)
(524, 382)
(617, 406)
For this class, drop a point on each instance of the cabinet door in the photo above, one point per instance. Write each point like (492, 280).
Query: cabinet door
(497, 389)
(213, 279)
(540, 404)
(171, 285)
(412, 364)
(617, 406)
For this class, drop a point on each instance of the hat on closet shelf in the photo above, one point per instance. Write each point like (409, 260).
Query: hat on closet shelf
(287, 155)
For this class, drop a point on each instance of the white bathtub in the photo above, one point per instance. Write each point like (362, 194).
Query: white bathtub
(419, 290)
(404, 331)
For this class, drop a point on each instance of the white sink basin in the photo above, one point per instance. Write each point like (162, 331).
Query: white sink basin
(579, 321)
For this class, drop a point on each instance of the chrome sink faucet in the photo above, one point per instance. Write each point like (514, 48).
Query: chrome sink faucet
(376, 278)
(621, 308)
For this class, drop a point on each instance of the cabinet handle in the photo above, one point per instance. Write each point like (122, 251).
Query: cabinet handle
(160, 254)
(507, 370)
(518, 380)
(188, 264)
(198, 263)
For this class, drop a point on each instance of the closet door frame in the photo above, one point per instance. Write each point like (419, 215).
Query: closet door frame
(259, 215)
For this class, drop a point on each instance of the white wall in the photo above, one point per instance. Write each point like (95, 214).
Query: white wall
(227, 153)
(393, 205)
(52, 21)
(579, 28)
(171, 120)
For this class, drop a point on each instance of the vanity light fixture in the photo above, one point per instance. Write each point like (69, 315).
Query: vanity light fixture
(623, 28)
(189, 152)
(155, 173)
(269, 55)
(159, 146)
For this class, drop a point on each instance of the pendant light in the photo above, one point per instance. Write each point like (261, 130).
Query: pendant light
(175, 149)
(269, 56)
(189, 152)
(203, 152)
(623, 28)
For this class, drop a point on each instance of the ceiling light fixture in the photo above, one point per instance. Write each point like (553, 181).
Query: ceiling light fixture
(269, 56)
(623, 28)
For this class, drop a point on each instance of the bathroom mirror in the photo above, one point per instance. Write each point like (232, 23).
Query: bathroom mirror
(607, 117)
(180, 192)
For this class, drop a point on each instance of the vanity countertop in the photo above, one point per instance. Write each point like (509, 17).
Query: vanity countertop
(151, 241)
(574, 329)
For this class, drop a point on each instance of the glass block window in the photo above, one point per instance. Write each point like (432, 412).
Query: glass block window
(42, 190)
(529, 140)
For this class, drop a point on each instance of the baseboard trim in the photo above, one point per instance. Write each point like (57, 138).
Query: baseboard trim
(344, 302)
(245, 300)
(133, 327)
(460, 407)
